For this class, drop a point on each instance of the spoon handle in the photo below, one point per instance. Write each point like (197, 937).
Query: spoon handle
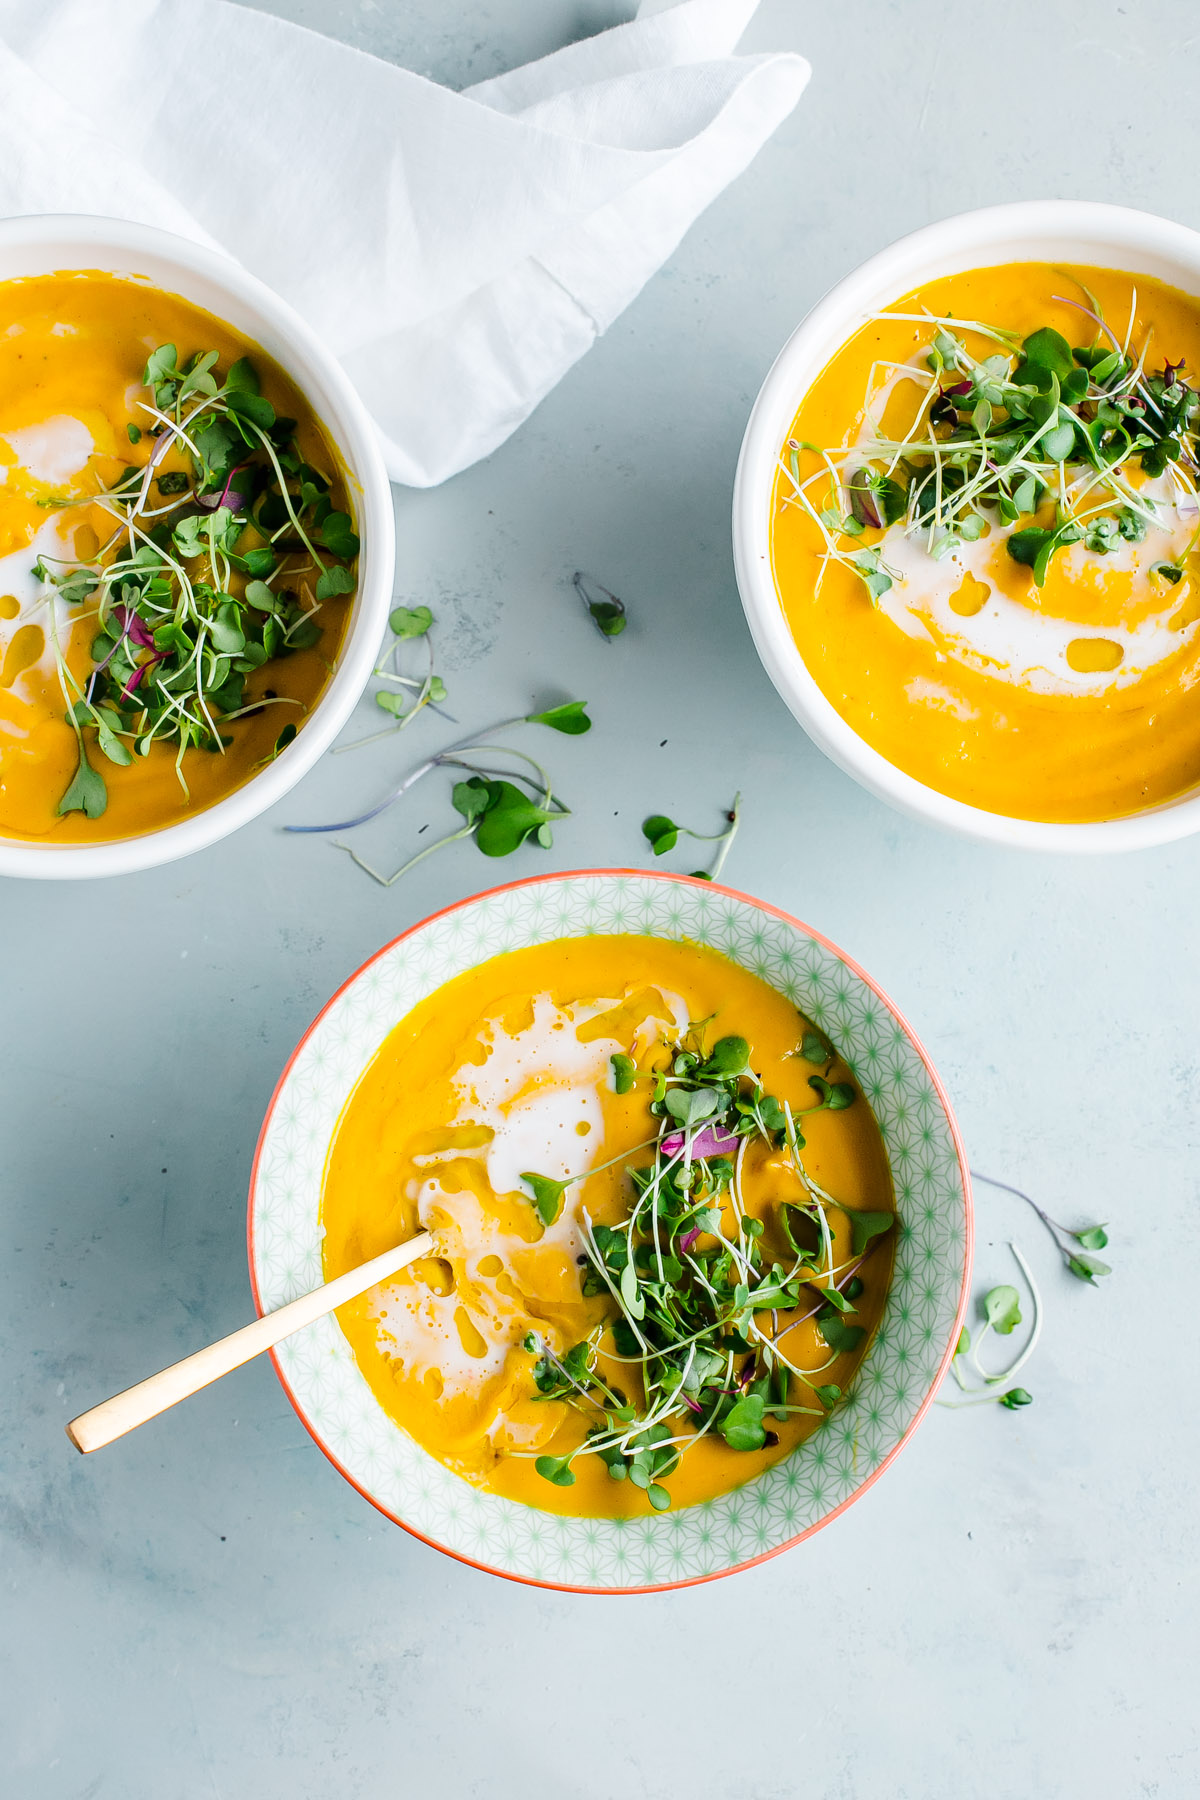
(125, 1411)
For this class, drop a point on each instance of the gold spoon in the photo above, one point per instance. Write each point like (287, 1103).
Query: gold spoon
(127, 1410)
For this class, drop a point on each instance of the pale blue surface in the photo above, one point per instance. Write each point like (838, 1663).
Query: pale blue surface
(207, 1610)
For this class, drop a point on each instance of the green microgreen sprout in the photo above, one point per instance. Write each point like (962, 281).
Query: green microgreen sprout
(606, 612)
(662, 834)
(496, 810)
(174, 645)
(1037, 440)
(1001, 1313)
(690, 1297)
(1075, 1245)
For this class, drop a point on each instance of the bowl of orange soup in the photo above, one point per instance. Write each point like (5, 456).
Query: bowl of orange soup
(196, 547)
(700, 1226)
(966, 526)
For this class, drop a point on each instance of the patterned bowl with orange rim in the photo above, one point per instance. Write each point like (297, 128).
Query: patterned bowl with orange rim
(897, 1379)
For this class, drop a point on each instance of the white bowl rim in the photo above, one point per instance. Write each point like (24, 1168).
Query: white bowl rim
(1116, 235)
(667, 877)
(357, 441)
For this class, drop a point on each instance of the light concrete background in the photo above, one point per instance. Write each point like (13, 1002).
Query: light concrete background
(207, 1612)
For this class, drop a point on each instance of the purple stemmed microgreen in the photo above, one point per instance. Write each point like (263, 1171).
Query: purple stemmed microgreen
(1074, 1245)
(496, 810)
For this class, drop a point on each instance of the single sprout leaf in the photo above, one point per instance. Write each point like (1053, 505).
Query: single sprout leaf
(1016, 1397)
(508, 819)
(334, 580)
(624, 1072)
(410, 621)
(1002, 1309)
(337, 534)
(1086, 1267)
(742, 1427)
(964, 1342)
(631, 1299)
(867, 1225)
(470, 798)
(547, 1195)
(556, 1469)
(87, 793)
(730, 1056)
(814, 1049)
(840, 1337)
(570, 718)
(661, 833)
(1093, 1238)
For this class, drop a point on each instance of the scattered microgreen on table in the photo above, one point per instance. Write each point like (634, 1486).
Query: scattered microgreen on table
(662, 834)
(606, 612)
(1048, 442)
(501, 808)
(211, 571)
(696, 1306)
(1001, 1306)
(1075, 1246)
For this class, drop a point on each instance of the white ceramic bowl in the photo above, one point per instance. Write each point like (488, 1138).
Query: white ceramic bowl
(908, 1356)
(1057, 231)
(43, 245)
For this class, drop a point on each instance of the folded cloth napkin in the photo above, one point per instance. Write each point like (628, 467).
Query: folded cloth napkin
(458, 252)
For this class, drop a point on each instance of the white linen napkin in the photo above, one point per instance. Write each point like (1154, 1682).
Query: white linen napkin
(458, 252)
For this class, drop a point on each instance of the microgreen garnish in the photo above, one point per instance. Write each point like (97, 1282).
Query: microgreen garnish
(1037, 435)
(606, 612)
(1073, 1245)
(1000, 1310)
(497, 813)
(175, 643)
(662, 834)
(696, 1300)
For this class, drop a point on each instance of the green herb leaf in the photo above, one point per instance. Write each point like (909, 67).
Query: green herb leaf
(337, 534)
(694, 1106)
(631, 1297)
(1048, 349)
(556, 1469)
(547, 1195)
(1094, 1237)
(814, 1049)
(242, 377)
(510, 817)
(470, 798)
(87, 793)
(1086, 1267)
(867, 1225)
(1002, 1309)
(730, 1056)
(840, 1337)
(410, 621)
(661, 833)
(334, 580)
(1016, 1397)
(624, 1072)
(742, 1427)
(161, 365)
(964, 1342)
(258, 410)
(570, 718)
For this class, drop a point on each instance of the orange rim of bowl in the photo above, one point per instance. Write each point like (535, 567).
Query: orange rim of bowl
(777, 912)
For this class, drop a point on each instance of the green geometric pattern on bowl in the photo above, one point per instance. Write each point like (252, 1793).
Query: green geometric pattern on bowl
(895, 1379)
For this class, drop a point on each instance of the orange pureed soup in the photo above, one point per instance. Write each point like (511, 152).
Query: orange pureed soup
(526, 1354)
(164, 613)
(1060, 689)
